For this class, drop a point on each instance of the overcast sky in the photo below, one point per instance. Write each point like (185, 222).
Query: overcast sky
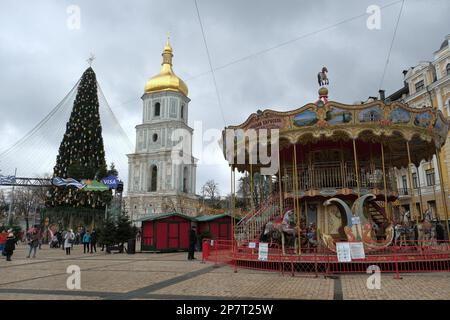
(41, 58)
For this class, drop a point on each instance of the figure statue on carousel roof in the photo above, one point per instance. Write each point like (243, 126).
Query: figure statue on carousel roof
(322, 77)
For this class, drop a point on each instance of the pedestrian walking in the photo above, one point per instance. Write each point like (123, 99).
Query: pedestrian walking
(192, 243)
(69, 237)
(86, 241)
(10, 246)
(94, 240)
(33, 241)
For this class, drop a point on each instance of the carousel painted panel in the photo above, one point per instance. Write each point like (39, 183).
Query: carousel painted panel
(335, 116)
(334, 220)
(400, 116)
(372, 114)
(423, 120)
(441, 129)
(305, 118)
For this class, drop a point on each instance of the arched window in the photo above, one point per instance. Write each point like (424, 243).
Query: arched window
(448, 68)
(185, 179)
(154, 178)
(157, 109)
(182, 111)
(155, 137)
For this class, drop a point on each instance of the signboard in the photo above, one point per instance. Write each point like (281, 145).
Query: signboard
(267, 122)
(111, 181)
(357, 250)
(263, 251)
(356, 220)
(94, 185)
(343, 252)
(252, 245)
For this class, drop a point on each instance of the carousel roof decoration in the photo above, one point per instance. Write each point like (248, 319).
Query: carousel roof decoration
(393, 123)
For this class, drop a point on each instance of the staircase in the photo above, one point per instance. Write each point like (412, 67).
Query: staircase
(377, 212)
(251, 226)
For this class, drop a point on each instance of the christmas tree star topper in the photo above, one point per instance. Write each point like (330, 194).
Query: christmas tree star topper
(91, 59)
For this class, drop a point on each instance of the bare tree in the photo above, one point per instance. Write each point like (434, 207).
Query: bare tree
(3, 202)
(29, 199)
(210, 190)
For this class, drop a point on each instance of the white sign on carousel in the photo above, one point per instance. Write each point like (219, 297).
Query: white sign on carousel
(252, 245)
(357, 250)
(346, 251)
(343, 252)
(263, 251)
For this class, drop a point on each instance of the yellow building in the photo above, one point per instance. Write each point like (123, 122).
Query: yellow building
(427, 85)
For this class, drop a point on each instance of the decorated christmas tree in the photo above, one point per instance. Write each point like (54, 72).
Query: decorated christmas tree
(81, 154)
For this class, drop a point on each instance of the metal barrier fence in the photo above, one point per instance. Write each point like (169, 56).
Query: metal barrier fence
(412, 256)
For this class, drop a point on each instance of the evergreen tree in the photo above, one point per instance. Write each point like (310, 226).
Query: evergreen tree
(125, 230)
(112, 170)
(107, 233)
(81, 153)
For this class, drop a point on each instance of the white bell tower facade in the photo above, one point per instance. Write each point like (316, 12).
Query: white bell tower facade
(158, 182)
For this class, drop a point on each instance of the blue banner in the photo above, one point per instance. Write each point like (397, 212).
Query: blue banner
(111, 181)
(7, 179)
(69, 182)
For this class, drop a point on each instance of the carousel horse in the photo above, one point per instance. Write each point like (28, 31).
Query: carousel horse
(424, 228)
(363, 230)
(283, 228)
(403, 229)
(322, 77)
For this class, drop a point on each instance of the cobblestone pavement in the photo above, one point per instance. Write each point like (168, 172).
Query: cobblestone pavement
(171, 276)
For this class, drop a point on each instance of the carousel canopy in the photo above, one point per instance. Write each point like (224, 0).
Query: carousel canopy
(393, 124)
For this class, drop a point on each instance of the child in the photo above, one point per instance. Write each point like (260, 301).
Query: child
(10, 246)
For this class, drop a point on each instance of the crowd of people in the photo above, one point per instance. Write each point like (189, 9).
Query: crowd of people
(34, 239)
(67, 239)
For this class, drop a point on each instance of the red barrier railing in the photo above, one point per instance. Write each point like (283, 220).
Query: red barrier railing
(413, 256)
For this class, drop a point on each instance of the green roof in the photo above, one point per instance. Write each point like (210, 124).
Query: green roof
(166, 215)
(210, 217)
(204, 218)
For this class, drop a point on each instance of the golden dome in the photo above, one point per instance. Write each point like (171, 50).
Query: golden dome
(323, 91)
(166, 79)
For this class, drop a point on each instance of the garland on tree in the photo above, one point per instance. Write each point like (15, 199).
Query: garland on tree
(81, 153)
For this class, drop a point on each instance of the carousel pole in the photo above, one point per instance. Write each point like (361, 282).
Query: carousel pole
(388, 212)
(296, 200)
(232, 204)
(280, 183)
(252, 203)
(444, 199)
(413, 205)
(355, 159)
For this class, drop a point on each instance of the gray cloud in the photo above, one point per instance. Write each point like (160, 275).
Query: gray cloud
(41, 58)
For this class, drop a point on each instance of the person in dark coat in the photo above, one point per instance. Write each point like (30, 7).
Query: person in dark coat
(440, 232)
(10, 246)
(192, 243)
(94, 240)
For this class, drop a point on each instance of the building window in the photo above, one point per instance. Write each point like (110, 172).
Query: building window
(430, 177)
(415, 181)
(185, 179)
(182, 111)
(154, 178)
(404, 185)
(157, 112)
(155, 137)
(419, 85)
(447, 68)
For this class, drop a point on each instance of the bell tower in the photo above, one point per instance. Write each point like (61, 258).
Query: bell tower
(157, 182)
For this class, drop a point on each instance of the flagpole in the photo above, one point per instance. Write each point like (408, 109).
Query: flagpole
(12, 200)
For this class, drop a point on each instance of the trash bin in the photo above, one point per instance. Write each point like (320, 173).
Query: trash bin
(131, 246)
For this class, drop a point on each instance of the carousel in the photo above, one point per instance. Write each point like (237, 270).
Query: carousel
(336, 179)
